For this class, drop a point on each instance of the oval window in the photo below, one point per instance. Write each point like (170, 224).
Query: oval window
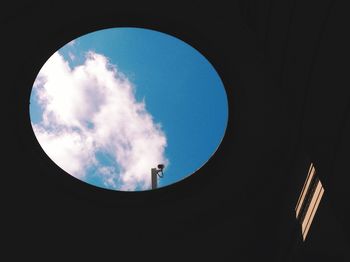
(128, 109)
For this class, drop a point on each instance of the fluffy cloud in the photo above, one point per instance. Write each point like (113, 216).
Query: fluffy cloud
(71, 43)
(91, 108)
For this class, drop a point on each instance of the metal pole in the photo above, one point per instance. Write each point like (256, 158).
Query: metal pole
(154, 173)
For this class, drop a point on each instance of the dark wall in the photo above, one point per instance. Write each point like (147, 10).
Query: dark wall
(283, 66)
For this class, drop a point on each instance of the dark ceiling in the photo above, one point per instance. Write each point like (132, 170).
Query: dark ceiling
(285, 68)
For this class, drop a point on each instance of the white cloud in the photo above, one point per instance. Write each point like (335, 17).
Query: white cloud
(92, 108)
(71, 43)
(71, 56)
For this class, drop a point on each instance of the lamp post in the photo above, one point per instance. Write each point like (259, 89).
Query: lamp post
(155, 174)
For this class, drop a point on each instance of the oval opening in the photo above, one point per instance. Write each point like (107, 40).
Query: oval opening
(128, 109)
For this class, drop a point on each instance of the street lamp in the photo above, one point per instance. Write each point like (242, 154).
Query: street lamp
(155, 173)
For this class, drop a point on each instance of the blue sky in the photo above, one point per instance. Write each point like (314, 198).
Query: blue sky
(181, 91)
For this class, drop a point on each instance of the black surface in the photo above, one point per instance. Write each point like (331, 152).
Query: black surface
(285, 68)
